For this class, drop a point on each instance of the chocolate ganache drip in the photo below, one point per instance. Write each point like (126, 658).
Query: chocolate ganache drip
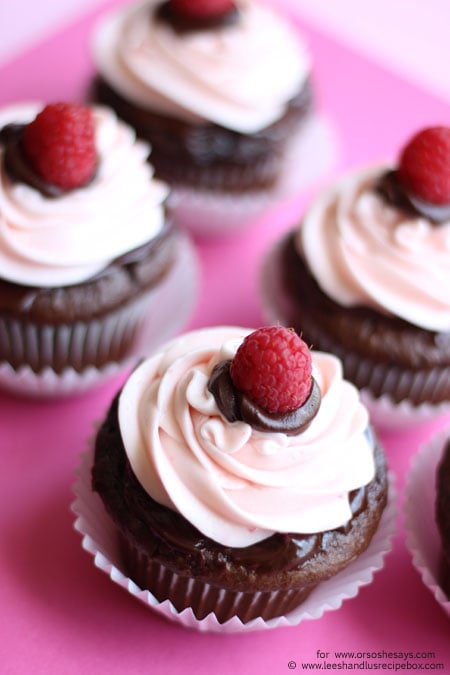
(17, 166)
(183, 23)
(235, 406)
(391, 189)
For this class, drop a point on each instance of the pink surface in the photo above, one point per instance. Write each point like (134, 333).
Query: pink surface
(59, 614)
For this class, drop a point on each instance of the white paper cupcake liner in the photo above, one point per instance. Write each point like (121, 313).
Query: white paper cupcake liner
(99, 538)
(155, 317)
(388, 415)
(312, 152)
(422, 535)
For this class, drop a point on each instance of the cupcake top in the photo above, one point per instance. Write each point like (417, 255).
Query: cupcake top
(201, 454)
(238, 71)
(380, 237)
(60, 234)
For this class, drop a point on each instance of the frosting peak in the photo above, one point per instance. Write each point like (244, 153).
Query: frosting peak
(235, 484)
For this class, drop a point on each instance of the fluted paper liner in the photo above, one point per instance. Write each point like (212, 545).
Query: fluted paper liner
(99, 538)
(423, 540)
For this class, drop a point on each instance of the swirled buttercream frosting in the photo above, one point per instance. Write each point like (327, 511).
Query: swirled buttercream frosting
(60, 241)
(235, 484)
(364, 250)
(239, 75)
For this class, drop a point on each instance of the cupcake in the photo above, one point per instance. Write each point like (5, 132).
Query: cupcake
(240, 473)
(443, 515)
(427, 516)
(222, 91)
(92, 272)
(365, 276)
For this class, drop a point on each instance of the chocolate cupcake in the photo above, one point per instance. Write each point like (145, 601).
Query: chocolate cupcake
(426, 508)
(443, 515)
(87, 248)
(364, 277)
(222, 93)
(235, 499)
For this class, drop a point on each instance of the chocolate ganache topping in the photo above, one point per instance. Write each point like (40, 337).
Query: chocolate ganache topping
(391, 189)
(183, 23)
(236, 406)
(19, 169)
(17, 166)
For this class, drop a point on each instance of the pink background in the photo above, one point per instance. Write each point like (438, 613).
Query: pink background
(59, 614)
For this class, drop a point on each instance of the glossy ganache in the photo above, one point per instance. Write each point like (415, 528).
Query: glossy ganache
(234, 405)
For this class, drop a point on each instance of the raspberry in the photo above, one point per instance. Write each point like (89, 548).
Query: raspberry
(59, 144)
(424, 166)
(201, 9)
(273, 368)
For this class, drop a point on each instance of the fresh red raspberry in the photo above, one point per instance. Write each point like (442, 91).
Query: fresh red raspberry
(59, 144)
(424, 166)
(273, 367)
(201, 9)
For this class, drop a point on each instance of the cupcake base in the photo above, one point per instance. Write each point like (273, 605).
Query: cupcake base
(206, 213)
(88, 353)
(276, 570)
(99, 538)
(207, 599)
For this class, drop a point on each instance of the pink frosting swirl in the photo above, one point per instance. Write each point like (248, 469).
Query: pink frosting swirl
(364, 251)
(237, 485)
(66, 240)
(239, 76)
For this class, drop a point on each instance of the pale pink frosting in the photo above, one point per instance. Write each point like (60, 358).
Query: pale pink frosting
(239, 76)
(363, 251)
(56, 242)
(237, 485)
